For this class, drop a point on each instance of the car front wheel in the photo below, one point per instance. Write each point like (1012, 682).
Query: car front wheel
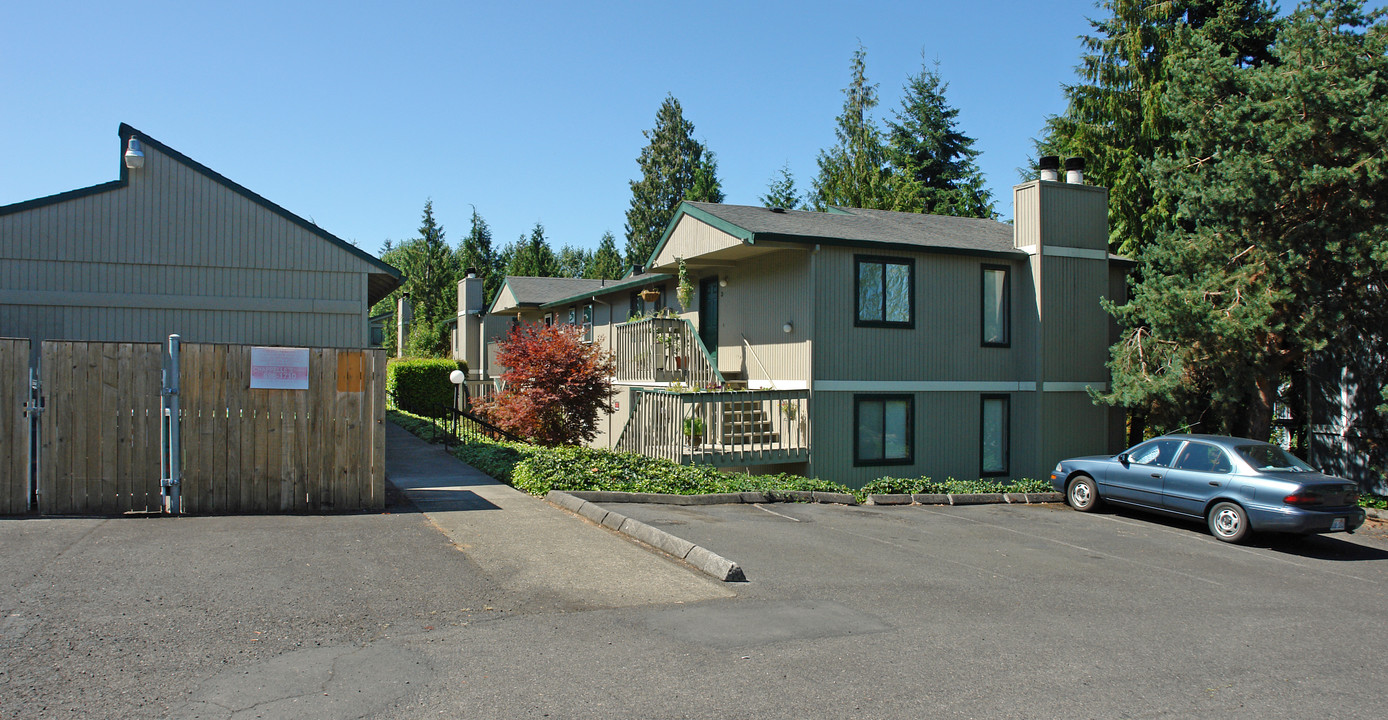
(1228, 522)
(1083, 494)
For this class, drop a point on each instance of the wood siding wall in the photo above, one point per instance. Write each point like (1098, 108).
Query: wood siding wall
(176, 251)
(946, 344)
(763, 294)
(14, 426)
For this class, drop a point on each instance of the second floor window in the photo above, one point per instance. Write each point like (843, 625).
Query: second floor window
(885, 290)
(997, 302)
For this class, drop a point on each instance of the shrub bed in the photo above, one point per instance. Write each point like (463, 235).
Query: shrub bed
(537, 470)
(926, 486)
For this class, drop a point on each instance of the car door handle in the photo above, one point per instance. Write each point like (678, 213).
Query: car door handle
(1156, 475)
(1214, 483)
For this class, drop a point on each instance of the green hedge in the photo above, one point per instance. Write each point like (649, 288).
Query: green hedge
(926, 486)
(421, 385)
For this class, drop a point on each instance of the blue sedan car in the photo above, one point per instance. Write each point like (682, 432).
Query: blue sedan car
(1236, 486)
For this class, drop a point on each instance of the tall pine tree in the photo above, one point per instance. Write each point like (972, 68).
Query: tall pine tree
(532, 256)
(927, 146)
(672, 165)
(856, 172)
(606, 264)
(781, 192)
(1115, 118)
(476, 251)
(1278, 248)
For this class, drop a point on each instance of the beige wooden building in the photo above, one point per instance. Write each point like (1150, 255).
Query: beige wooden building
(856, 344)
(174, 247)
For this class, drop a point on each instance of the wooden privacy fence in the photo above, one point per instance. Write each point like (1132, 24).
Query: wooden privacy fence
(260, 450)
(243, 450)
(14, 426)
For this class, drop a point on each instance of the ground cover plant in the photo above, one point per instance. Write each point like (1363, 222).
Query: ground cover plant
(537, 470)
(950, 486)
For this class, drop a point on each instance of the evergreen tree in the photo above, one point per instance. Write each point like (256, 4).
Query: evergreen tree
(475, 251)
(1115, 119)
(572, 262)
(927, 146)
(671, 165)
(706, 187)
(781, 192)
(431, 272)
(1278, 247)
(856, 172)
(606, 263)
(532, 256)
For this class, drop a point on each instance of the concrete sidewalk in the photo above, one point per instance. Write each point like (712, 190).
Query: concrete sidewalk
(530, 546)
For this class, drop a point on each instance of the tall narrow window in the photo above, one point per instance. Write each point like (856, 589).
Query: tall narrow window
(882, 429)
(997, 302)
(993, 435)
(885, 292)
(588, 323)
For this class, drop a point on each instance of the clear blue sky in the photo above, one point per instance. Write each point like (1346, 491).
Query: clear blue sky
(353, 113)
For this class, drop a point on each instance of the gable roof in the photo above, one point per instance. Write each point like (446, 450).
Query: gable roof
(853, 227)
(545, 292)
(380, 283)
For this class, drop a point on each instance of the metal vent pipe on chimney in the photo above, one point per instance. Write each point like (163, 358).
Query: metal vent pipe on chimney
(1074, 170)
(1050, 167)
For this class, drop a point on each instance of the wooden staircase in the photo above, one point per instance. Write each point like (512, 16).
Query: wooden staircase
(746, 423)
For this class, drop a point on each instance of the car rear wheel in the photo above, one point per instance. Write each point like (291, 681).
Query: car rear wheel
(1083, 494)
(1228, 522)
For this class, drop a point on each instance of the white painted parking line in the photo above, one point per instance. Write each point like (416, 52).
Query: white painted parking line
(762, 508)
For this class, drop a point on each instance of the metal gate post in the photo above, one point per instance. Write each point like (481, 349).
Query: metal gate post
(34, 410)
(171, 466)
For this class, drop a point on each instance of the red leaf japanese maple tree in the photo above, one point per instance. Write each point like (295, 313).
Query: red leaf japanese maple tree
(555, 384)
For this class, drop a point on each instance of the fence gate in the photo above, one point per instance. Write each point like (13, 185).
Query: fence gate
(99, 428)
(14, 426)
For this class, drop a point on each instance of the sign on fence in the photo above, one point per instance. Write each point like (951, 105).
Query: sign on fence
(279, 368)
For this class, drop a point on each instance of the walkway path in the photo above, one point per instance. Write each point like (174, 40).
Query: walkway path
(531, 547)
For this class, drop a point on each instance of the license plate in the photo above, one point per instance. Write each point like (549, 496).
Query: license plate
(1337, 524)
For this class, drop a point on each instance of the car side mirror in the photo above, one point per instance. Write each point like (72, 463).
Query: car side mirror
(1123, 458)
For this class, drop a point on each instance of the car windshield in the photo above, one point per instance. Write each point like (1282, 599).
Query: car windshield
(1270, 458)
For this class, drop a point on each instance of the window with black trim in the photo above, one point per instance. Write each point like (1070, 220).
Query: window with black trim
(994, 435)
(885, 290)
(882, 432)
(997, 306)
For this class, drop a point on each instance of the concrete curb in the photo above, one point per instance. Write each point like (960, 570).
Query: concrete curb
(708, 562)
(1376, 513)
(966, 499)
(608, 496)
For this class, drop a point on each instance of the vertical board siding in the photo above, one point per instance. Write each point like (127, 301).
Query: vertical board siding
(1076, 326)
(14, 426)
(176, 233)
(763, 294)
(254, 451)
(946, 342)
(100, 428)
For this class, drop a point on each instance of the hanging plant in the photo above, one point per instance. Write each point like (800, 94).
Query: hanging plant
(686, 290)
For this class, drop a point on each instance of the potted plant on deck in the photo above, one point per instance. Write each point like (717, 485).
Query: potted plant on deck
(694, 430)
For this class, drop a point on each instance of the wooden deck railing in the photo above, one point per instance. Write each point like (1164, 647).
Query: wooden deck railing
(747, 427)
(663, 350)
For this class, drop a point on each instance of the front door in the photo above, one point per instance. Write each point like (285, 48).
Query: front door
(708, 316)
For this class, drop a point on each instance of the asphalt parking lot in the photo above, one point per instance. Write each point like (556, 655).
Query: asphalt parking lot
(848, 612)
